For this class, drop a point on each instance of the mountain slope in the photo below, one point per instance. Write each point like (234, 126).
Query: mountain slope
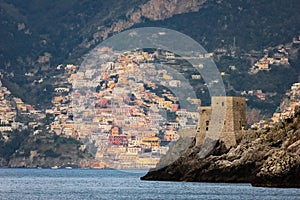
(37, 36)
(254, 24)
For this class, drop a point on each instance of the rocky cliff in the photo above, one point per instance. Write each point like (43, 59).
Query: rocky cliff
(152, 10)
(266, 158)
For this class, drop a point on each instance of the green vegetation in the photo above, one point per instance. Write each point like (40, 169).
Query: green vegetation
(49, 145)
(254, 24)
(16, 139)
(51, 153)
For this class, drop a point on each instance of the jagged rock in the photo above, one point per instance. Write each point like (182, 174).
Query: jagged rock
(281, 169)
(3, 162)
(17, 162)
(295, 147)
(176, 151)
(269, 158)
(158, 10)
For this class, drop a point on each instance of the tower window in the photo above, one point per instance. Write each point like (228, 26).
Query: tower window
(207, 123)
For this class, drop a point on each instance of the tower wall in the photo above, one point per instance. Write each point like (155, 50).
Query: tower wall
(203, 123)
(231, 112)
(235, 112)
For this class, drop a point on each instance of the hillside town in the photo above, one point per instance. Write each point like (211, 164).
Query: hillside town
(7, 112)
(126, 116)
(276, 56)
(10, 108)
(124, 110)
(288, 106)
(286, 110)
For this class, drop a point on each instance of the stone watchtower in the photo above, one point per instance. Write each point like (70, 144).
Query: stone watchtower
(225, 119)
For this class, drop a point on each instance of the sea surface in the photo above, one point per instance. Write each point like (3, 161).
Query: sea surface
(90, 184)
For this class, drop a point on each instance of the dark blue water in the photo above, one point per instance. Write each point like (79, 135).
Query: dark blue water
(75, 184)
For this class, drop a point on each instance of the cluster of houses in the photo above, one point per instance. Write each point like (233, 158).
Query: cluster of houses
(9, 108)
(63, 123)
(119, 108)
(288, 110)
(272, 56)
(258, 93)
(296, 41)
(62, 111)
(8, 111)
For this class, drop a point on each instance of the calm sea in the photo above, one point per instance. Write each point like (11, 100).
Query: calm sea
(113, 184)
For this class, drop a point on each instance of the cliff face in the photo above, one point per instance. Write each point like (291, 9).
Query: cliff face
(269, 158)
(153, 10)
(175, 151)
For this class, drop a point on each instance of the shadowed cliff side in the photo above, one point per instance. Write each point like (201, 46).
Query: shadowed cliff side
(267, 158)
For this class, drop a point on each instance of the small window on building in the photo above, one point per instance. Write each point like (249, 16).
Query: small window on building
(207, 123)
(223, 103)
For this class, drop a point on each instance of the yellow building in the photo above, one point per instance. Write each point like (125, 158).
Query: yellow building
(128, 157)
(151, 141)
(147, 161)
(22, 107)
(115, 131)
(116, 150)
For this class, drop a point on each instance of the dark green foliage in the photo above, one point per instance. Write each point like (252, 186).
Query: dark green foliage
(65, 141)
(51, 153)
(254, 24)
(8, 148)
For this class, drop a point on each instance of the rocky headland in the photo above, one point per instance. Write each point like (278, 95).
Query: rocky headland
(269, 158)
